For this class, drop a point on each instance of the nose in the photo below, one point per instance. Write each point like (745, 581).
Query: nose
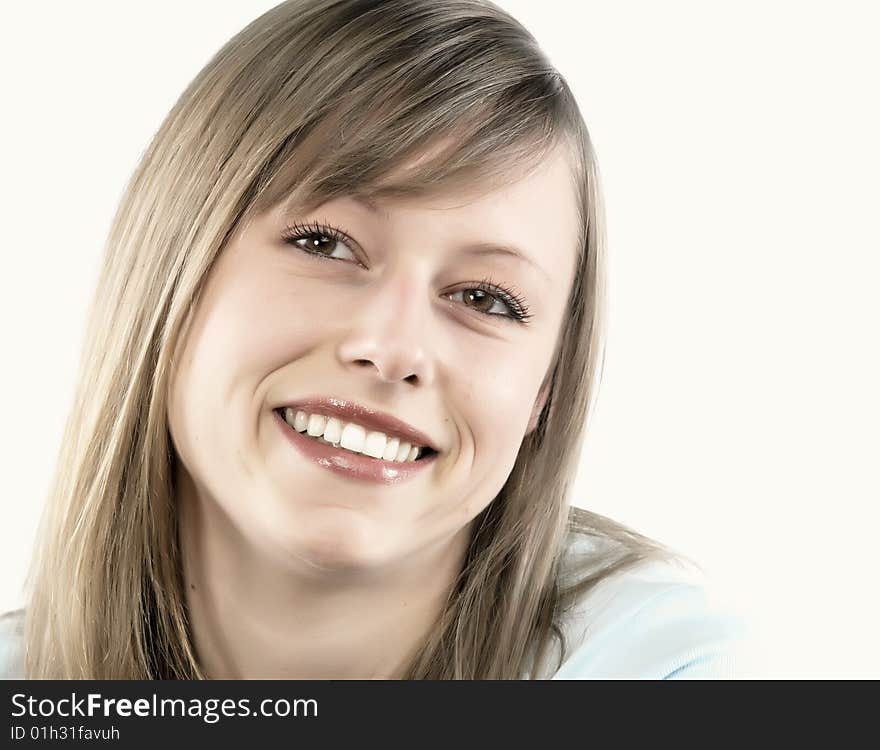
(389, 333)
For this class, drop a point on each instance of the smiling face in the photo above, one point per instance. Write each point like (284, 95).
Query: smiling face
(391, 317)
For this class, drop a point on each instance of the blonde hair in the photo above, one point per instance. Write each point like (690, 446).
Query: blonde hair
(314, 99)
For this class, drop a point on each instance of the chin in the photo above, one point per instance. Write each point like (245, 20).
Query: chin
(334, 539)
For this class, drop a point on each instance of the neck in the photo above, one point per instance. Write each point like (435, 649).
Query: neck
(252, 617)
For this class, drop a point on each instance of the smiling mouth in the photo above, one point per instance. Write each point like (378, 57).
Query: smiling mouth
(423, 452)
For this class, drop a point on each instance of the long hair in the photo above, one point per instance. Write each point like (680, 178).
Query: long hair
(315, 99)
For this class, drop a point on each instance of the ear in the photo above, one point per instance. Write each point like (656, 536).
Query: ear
(539, 405)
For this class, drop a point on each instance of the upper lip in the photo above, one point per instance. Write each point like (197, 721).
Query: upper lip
(350, 411)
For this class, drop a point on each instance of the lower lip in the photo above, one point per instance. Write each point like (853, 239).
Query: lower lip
(353, 465)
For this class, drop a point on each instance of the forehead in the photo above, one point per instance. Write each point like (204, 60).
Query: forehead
(537, 166)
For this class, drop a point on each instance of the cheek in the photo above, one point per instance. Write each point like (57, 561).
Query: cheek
(500, 401)
(251, 330)
(233, 343)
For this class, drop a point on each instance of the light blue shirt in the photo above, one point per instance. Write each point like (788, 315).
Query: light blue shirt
(12, 645)
(654, 622)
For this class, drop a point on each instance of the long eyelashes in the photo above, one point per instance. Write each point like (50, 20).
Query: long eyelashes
(298, 231)
(510, 297)
(515, 302)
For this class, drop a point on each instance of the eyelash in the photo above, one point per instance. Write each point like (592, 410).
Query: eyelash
(511, 298)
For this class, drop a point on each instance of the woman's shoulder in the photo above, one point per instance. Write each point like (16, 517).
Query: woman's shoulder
(658, 619)
(12, 645)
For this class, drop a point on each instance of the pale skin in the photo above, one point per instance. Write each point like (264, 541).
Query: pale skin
(292, 571)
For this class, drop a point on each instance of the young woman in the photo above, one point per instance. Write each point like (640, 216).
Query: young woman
(343, 350)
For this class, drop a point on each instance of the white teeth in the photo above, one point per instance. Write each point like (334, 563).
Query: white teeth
(289, 416)
(352, 436)
(374, 445)
(317, 423)
(403, 452)
(333, 431)
(390, 452)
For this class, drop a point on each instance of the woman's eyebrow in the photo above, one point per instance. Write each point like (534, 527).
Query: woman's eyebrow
(489, 248)
(368, 204)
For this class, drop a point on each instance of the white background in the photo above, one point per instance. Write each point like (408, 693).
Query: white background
(738, 143)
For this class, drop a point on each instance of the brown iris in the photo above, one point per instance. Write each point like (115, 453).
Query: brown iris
(480, 297)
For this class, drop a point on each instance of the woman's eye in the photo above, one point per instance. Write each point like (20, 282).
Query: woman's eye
(319, 239)
(485, 303)
(488, 297)
(320, 243)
